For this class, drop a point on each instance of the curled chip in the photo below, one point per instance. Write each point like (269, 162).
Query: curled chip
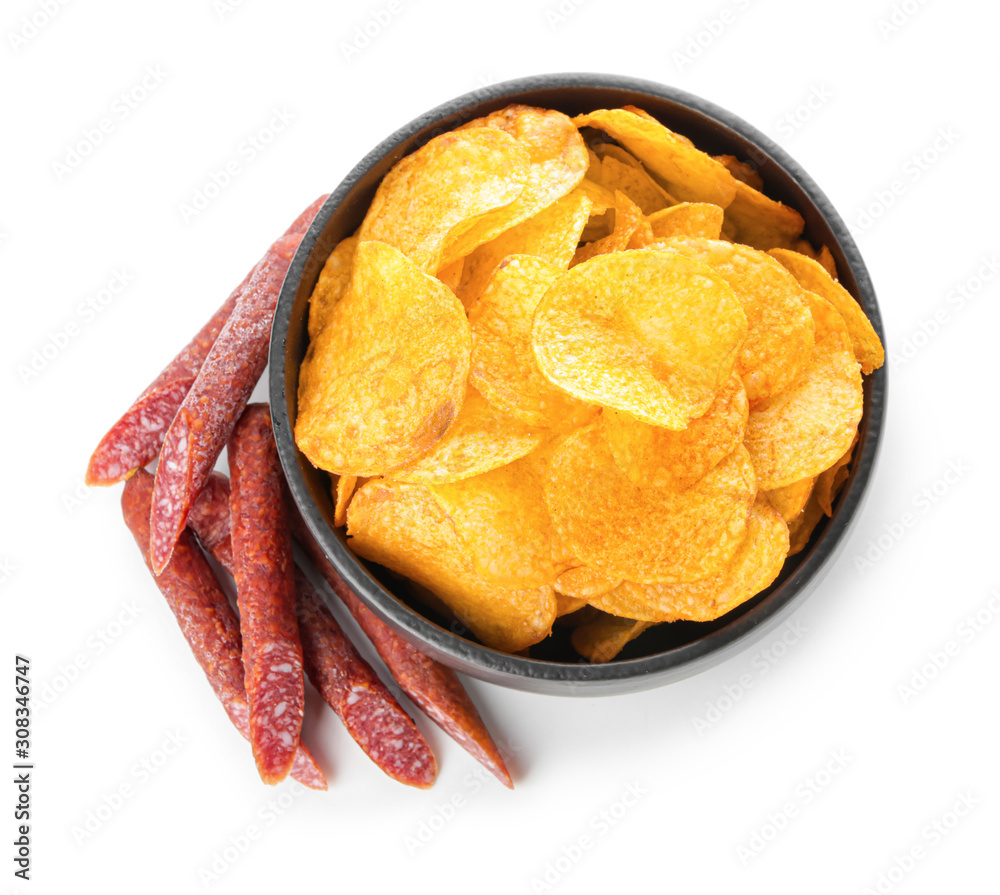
(634, 182)
(502, 521)
(790, 500)
(333, 281)
(645, 534)
(629, 222)
(343, 491)
(779, 327)
(481, 438)
(401, 526)
(814, 277)
(698, 219)
(386, 377)
(652, 456)
(442, 189)
(830, 481)
(761, 222)
(803, 430)
(503, 364)
(648, 332)
(752, 568)
(582, 582)
(605, 637)
(558, 161)
(552, 235)
(800, 529)
(687, 173)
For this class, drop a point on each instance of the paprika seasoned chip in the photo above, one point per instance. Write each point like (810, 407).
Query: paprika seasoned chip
(646, 534)
(648, 332)
(343, 491)
(761, 222)
(752, 568)
(804, 429)
(790, 500)
(687, 173)
(628, 221)
(386, 377)
(442, 189)
(634, 182)
(697, 219)
(814, 277)
(779, 327)
(401, 526)
(830, 481)
(503, 364)
(480, 439)
(604, 638)
(652, 456)
(333, 281)
(582, 582)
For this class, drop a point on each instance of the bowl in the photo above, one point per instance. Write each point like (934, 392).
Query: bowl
(664, 653)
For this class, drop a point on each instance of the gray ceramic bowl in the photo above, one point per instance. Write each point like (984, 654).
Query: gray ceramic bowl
(664, 653)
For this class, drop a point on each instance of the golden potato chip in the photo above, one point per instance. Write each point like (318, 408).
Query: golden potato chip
(815, 278)
(648, 332)
(333, 281)
(552, 235)
(830, 481)
(582, 582)
(825, 258)
(343, 491)
(635, 183)
(480, 439)
(803, 430)
(762, 222)
(752, 568)
(600, 196)
(558, 162)
(503, 523)
(386, 377)
(503, 364)
(800, 529)
(742, 171)
(780, 331)
(444, 188)
(790, 500)
(604, 638)
(698, 219)
(652, 456)
(687, 173)
(451, 275)
(567, 605)
(401, 526)
(628, 219)
(645, 534)
(604, 149)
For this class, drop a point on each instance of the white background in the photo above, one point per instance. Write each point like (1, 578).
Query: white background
(882, 97)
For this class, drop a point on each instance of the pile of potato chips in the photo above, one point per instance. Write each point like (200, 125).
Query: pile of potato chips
(578, 367)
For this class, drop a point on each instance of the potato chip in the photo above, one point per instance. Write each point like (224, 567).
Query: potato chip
(762, 222)
(628, 219)
(752, 568)
(600, 196)
(790, 500)
(568, 605)
(815, 278)
(444, 188)
(503, 364)
(780, 330)
(687, 173)
(503, 523)
(628, 330)
(451, 275)
(604, 638)
(331, 286)
(830, 481)
(558, 162)
(635, 183)
(401, 526)
(645, 534)
(803, 430)
(652, 456)
(801, 528)
(582, 582)
(825, 258)
(480, 439)
(742, 171)
(697, 219)
(386, 377)
(343, 491)
(552, 235)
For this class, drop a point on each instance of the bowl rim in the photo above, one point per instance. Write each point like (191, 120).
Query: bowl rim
(620, 675)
